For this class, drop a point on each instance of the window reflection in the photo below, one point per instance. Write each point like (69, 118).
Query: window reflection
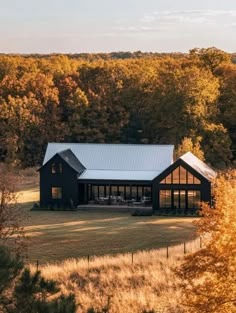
(165, 198)
(183, 175)
(196, 181)
(56, 193)
(122, 193)
(194, 199)
(180, 176)
(175, 176)
(180, 199)
(190, 178)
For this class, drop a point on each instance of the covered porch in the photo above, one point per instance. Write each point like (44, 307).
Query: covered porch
(115, 194)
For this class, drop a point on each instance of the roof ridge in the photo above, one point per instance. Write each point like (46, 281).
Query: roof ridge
(110, 144)
(124, 170)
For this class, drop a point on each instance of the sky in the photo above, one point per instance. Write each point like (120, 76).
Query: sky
(76, 26)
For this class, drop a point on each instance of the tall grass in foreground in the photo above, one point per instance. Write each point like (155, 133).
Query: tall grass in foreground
(146, 283)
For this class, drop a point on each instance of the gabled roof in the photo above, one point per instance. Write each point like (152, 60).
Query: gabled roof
(69, 157)
(199, 166)
(113, 160)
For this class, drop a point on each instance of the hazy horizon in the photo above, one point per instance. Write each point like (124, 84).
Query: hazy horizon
(90, 26)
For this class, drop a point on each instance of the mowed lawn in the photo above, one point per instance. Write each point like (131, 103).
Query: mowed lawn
(57, 235)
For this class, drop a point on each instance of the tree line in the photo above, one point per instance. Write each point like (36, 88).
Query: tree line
(149, 98)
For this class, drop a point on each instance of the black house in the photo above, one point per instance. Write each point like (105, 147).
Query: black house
(137, 175)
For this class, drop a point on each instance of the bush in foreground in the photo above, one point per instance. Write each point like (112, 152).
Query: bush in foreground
(28, 292)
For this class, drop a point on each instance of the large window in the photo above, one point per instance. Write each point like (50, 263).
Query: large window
(194, 199)
(56, 193)
(180, 199)
(122, 193)
(165, 199)
(180, 176)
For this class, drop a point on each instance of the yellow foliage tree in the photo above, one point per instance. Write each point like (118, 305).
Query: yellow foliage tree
(187, 145)
(209, 275)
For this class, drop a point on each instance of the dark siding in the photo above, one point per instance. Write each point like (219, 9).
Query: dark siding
(67, 180)
(204, 187)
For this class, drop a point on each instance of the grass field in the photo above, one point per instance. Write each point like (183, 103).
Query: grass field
(148, 284)
(57, 235)
(145, 281)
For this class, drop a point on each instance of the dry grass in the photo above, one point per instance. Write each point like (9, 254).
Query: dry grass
(29, 186)
(56, 236)
(147, 283)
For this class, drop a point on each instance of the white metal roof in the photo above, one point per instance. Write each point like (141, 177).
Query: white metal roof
(198, 165)
(113, 160)
(118, 175)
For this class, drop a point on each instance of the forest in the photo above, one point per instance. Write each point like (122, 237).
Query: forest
(148, 98)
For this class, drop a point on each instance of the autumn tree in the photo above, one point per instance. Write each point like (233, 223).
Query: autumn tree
(187, 145)
(210, 57)
(117, 97)
(208, 276)
(11, 216)
(227, 101)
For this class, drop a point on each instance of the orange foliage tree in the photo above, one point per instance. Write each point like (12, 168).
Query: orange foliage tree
(208, 277)
(11, 215)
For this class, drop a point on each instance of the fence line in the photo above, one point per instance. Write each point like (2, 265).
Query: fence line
(165, 252)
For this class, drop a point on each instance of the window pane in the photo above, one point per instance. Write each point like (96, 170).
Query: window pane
(134, 192)
(168, 199)
(128, 194)
(190, 178)
(162, 198)
(139, 193)
(197, 199)
(168, 179)
(53, 168)
(122, 191)
(94, 192)
(163, 181)
(196, 181)
(190, 199)
(176, 199)
(101, 192)
(182, 199)
(165, 199)
(175, 174)
(56, 193)
(147, 192)
(89, 192)
(183, 175)
(114, 190)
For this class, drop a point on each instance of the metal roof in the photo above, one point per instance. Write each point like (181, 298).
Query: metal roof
(117, 161)
(69, 157)
(199, 166)
(118, 175)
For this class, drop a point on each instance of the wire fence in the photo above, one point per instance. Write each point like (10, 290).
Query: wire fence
(167, 252)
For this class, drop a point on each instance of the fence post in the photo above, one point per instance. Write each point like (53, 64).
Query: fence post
(132, 256)
(167, 252)
(37, 265)
(184, 247)
(200, 242)
(88, 260)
